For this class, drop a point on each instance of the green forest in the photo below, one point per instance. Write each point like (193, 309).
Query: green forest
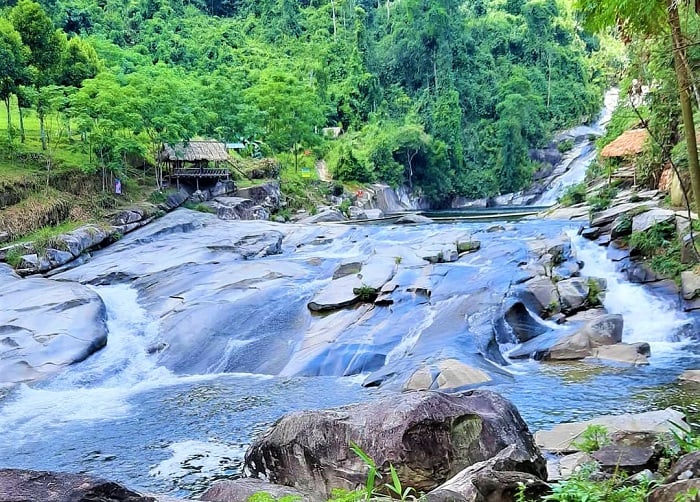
(443, 96)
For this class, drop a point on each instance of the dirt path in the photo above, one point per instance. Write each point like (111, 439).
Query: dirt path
(322, 170)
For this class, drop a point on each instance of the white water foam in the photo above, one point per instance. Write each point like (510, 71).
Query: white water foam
(206, 458)
(98, 388)
(647, 316)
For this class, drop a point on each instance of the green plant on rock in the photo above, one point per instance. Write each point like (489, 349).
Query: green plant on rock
(370, 491)
(580, 488)
(652, 241)
(684, 437)
(690, 495)
(565, 145)
(602, 198)
(345, 207)
(266, 497)
(592, 438)
(575, 194)
(365, 293)
(593, 298)
(14, 256)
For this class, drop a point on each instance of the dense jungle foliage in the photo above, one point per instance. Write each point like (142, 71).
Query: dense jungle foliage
(443, 96)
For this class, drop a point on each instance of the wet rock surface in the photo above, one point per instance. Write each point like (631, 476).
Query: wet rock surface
(23, 486)
(46, 325)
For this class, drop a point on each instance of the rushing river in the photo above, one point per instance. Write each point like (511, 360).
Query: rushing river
(122, 415)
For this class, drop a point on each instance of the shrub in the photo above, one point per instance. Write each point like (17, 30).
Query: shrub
(574, 194)
(592, 438)
(652, 241)
(365, 293)
(602, 199)
(14, 256)
(565, 145)
(580, 487)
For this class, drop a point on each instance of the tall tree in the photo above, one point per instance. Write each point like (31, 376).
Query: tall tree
(46, 46)
(13, 58)
(655, 18)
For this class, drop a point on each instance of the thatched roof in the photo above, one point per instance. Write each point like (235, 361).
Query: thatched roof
(195, 150)
(628, 143)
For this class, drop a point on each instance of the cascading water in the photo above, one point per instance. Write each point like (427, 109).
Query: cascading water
(648, 317)
(572, 168)
(123, 415)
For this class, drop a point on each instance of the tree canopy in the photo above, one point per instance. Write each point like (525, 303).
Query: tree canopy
(444, 96)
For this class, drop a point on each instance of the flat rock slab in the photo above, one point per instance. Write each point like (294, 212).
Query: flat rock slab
(643, 222)
(67, 323)
(607, 216)
(692, 376)
(21, 486)
(337, 294)
(627, 353)
(631, 459)
(561, 437)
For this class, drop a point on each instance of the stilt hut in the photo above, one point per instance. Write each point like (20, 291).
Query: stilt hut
(195, 160)
(623, 150)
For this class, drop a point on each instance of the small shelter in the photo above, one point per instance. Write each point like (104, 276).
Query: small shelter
(623, 149)
(195, 159)
(629, 143)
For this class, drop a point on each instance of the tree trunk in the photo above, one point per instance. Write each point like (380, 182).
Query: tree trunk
(21, 124)
(335, 30)
(9, 117)
(42, 131)
(686, 106)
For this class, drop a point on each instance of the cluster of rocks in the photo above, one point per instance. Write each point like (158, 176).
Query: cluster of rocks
(639, 213)
(373, 280)
(552, 287)
(72, 248)
(252, 203)
(469, 447)
(630, 447)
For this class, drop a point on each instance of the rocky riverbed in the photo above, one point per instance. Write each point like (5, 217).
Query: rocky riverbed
(215, 328)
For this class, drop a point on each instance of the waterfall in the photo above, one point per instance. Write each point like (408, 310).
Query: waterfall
(648, 316)
(571, 170)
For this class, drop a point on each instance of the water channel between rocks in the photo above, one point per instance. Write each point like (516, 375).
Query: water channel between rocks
(127, 415)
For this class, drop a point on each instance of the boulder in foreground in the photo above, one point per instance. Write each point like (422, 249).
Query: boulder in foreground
(18, 485)
(427, 436)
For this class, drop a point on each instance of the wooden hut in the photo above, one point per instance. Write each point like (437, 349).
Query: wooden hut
(624, 149)
(195, 160)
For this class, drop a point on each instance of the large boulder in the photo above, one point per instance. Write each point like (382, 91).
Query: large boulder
(267, 195)
(605, 330)
(327, 216)
(599, 332)
(67, 323)
(427, 436)
(18, 485)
